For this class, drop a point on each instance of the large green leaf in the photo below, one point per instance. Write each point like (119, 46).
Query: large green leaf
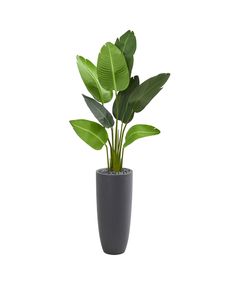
(139, 131)
(113, 73)
(127, 44)
(125, 111)
(144, 93)
(88, 73)
(90, 132)
(100, 112)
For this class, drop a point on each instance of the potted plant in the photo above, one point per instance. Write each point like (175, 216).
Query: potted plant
(112, 78)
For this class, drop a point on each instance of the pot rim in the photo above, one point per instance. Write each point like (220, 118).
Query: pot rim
(105, 172)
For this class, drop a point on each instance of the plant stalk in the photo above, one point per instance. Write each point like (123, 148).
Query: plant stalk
(122, 155)
(108, 166)
(112, 137)
(116, 132)
(122, 136)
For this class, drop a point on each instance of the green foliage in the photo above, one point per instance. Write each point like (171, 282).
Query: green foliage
(139, 131)
(144, 93)
(112, 69)
(127, 44)
(113, 73)
(91, 132)
(121, 108)
(88, 73)
(100, 112)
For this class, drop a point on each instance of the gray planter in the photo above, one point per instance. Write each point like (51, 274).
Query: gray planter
(114, 199)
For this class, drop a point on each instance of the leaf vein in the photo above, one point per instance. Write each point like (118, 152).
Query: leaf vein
(84, 129)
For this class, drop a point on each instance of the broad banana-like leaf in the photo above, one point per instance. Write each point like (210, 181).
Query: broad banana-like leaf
(90, 132)
(100, 112)
(113, 73)
(88, 73)
(144, 93)
(127, 44)
(139, 131)
(125, 111)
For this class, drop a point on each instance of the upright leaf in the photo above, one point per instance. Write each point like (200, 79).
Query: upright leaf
(125, 111)
(144, 93)
(113, 73)
(127, 44)
(90, 132)
(100, 112)
(88, 73)
(139, 131)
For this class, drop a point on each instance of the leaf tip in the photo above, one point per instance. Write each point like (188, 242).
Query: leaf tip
(79, 58)
(108, 44)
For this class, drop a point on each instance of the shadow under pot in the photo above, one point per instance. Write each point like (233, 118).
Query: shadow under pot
(114, 199)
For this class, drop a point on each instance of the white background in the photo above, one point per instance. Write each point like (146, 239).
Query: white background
(183, 231)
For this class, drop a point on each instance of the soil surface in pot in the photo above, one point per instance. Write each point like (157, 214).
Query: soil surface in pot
(105, 171)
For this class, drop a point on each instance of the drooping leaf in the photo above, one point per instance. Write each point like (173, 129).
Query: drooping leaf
(144, 93)
(88, 73)
(90, 132)
(125, 111)
(127, 44)
(100, 112)
(113, 73)
(139, 131)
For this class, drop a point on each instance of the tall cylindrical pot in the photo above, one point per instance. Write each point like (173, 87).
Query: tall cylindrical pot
(114, 199)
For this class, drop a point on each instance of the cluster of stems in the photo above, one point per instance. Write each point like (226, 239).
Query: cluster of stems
(115, 151)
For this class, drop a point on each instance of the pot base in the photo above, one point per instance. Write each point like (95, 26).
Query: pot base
(110, 253)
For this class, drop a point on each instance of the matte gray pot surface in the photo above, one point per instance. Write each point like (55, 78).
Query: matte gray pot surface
(114, 199)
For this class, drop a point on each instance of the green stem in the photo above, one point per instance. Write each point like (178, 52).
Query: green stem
(116, 133)
(109, 142)
(122, 156)
(122, 137)
(112, 137)
(108, 167)
(111, 153)
(121, 131)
